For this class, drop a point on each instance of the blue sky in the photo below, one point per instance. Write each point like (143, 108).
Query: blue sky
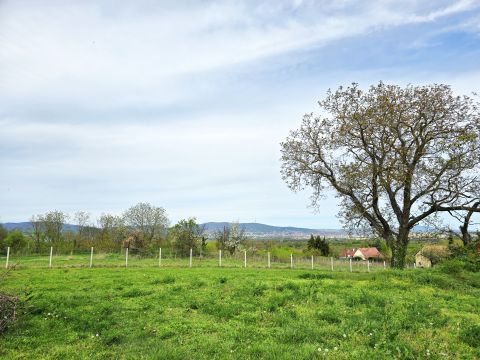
(184, 104)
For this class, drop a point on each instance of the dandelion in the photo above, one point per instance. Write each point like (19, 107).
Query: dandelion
(326, 350)
(96, 335)
(335, 348)
(319, 349)
(344, 335)
(370, 334)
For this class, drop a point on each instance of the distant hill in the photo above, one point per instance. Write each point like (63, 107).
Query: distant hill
(254, 230)
(263, 230)
(26, 226)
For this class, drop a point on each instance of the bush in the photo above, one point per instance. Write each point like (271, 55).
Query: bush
(15, 240)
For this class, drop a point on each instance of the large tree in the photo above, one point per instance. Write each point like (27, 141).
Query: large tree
(394, 156)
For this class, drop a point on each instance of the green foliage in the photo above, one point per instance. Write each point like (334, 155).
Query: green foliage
(15, 240)
(3, 235)
(186, 235)
(319, 244)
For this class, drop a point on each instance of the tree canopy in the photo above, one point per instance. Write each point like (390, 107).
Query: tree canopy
(395, 156)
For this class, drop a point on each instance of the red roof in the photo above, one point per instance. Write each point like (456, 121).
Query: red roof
(348, 252)
(371, 252)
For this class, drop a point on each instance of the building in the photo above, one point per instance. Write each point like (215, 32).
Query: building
(370, 253)
(430, 255)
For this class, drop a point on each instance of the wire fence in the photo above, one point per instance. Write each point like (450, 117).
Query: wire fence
(168, 259)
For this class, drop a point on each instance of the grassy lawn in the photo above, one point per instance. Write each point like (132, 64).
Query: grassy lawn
(210, 312)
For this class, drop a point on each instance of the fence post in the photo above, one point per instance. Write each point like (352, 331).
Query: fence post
(268, 257)
(191, 254)
(384, 264)
(50, 260)
(291, 261)
(160, 257)
(368, 265)
(350, 264)
(312, 262)
(126, 257)
(331, 262)
(220, 258)
(245, 258)
(91, 257)
(8, 256)
(414, 265)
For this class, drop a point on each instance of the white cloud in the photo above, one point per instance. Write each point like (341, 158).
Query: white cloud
(87, 88)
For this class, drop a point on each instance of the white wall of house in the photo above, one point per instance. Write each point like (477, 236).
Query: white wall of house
(359, 254)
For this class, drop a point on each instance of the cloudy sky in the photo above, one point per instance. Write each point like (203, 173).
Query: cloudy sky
(183, 104)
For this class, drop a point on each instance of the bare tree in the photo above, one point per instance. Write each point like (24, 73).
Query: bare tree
(112, 231)
(395, 156)
(53, 222)
(38, 231)
(81, 219)
(151, 221)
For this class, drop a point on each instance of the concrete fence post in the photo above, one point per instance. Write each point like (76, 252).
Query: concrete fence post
(91, 257)
(268, 257)
(191, 254)
(312, 262)
(245, 258)
(160, 257)
(331, 262)
(291, 261)
(220, 258)
(368, 265)
(8, 257)
(351, 265)
(51, 255)
(126, 257)
(384, 264)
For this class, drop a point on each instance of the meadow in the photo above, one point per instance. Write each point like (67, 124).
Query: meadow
(208, 312)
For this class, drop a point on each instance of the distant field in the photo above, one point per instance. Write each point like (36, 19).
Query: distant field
(231, 312)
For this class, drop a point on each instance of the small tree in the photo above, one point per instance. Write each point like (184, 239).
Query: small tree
(318, 244)
(15, 240)
(231, 237)
(186, 235)
(38, 231)
(81, 219)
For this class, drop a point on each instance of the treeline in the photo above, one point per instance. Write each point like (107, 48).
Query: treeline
(143, 229)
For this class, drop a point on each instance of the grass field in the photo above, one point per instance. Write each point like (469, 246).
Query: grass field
(211, 312)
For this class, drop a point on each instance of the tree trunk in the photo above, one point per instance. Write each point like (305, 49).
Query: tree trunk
(399, 249)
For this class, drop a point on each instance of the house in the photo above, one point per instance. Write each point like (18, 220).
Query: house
(347, 253)
(361, 253)
(368, 253)
(429, 255)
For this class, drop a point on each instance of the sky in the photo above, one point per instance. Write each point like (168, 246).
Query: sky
(183, 104)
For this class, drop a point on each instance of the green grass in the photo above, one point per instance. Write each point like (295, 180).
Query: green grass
(300, 261)
(218, 313)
